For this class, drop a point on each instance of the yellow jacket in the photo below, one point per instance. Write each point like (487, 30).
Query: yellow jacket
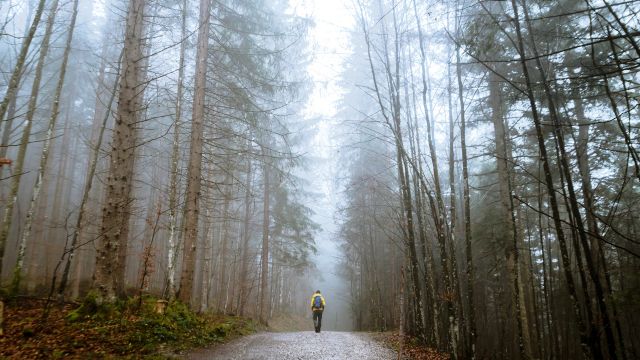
(321, 298)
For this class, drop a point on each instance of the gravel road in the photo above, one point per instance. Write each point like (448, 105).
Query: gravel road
(298, 345)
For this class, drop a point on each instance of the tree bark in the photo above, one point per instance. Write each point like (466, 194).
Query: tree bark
(264, 260)
(244, 255)
(170, 291)
(26, 132)
(222, 290)
(14, 82)
(575, 207)
(22, 244)
(116, 211)
(88, 185)
(471, 321)
(511, 242)
(439, 210)
(589, 348)
(194, 171)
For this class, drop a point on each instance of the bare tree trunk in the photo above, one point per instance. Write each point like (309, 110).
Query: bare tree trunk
(421, 213)
(170, 291)
(14, 82)
(222, 291)
(264, 272)
(402, 310)
(392, 119)
(581, 147)
(554, 346)
(44, 158)
(207, 250)
(453, 220)
(191, 211)
(11, 108)
(88, 184)
(116, 211)
(244, 293)
(471, 321)
(58, 208)
(6, 137)
(8, 128)
(589, 347)
(26, 132)
(575, 208)
(439, 214)
(510, 242)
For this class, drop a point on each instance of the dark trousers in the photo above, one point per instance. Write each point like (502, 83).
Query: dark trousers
(317, 320)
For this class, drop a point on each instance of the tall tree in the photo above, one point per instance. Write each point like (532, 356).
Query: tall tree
(117, 209)
(9, 98)
(194, 170)
(173, 184)
(264, 257)
(44, 157)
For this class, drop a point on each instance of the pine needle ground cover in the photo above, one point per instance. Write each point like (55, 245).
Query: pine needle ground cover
(129, 329)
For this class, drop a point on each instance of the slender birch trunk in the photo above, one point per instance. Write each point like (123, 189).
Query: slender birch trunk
(14, 82)
(6, 137)
(11, 108)
(44, 158)
(26, 132)
(175, 160)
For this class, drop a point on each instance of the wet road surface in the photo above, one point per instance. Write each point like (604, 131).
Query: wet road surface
(298, 345)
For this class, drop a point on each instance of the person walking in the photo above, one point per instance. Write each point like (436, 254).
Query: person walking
(317, 307)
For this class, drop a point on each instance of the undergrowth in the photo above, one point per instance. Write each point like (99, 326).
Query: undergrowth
(129, 329)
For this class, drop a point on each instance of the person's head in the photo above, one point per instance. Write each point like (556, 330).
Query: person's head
(317, 291)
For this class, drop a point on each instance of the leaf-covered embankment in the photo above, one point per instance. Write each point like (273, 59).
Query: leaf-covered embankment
(125, 330)
(412, 348)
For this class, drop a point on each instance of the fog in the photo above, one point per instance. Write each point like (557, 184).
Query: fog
(464, 172)
(329, 47)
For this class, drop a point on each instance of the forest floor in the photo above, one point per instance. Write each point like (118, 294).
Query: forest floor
(133, 330)
(412, 348)
(130, 330)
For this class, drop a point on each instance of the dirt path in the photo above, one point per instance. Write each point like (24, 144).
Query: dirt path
(298, 345)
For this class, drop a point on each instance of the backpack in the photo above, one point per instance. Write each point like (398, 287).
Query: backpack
(317, 302)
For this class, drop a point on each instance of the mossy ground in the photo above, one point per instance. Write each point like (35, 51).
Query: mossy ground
(128, 329)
